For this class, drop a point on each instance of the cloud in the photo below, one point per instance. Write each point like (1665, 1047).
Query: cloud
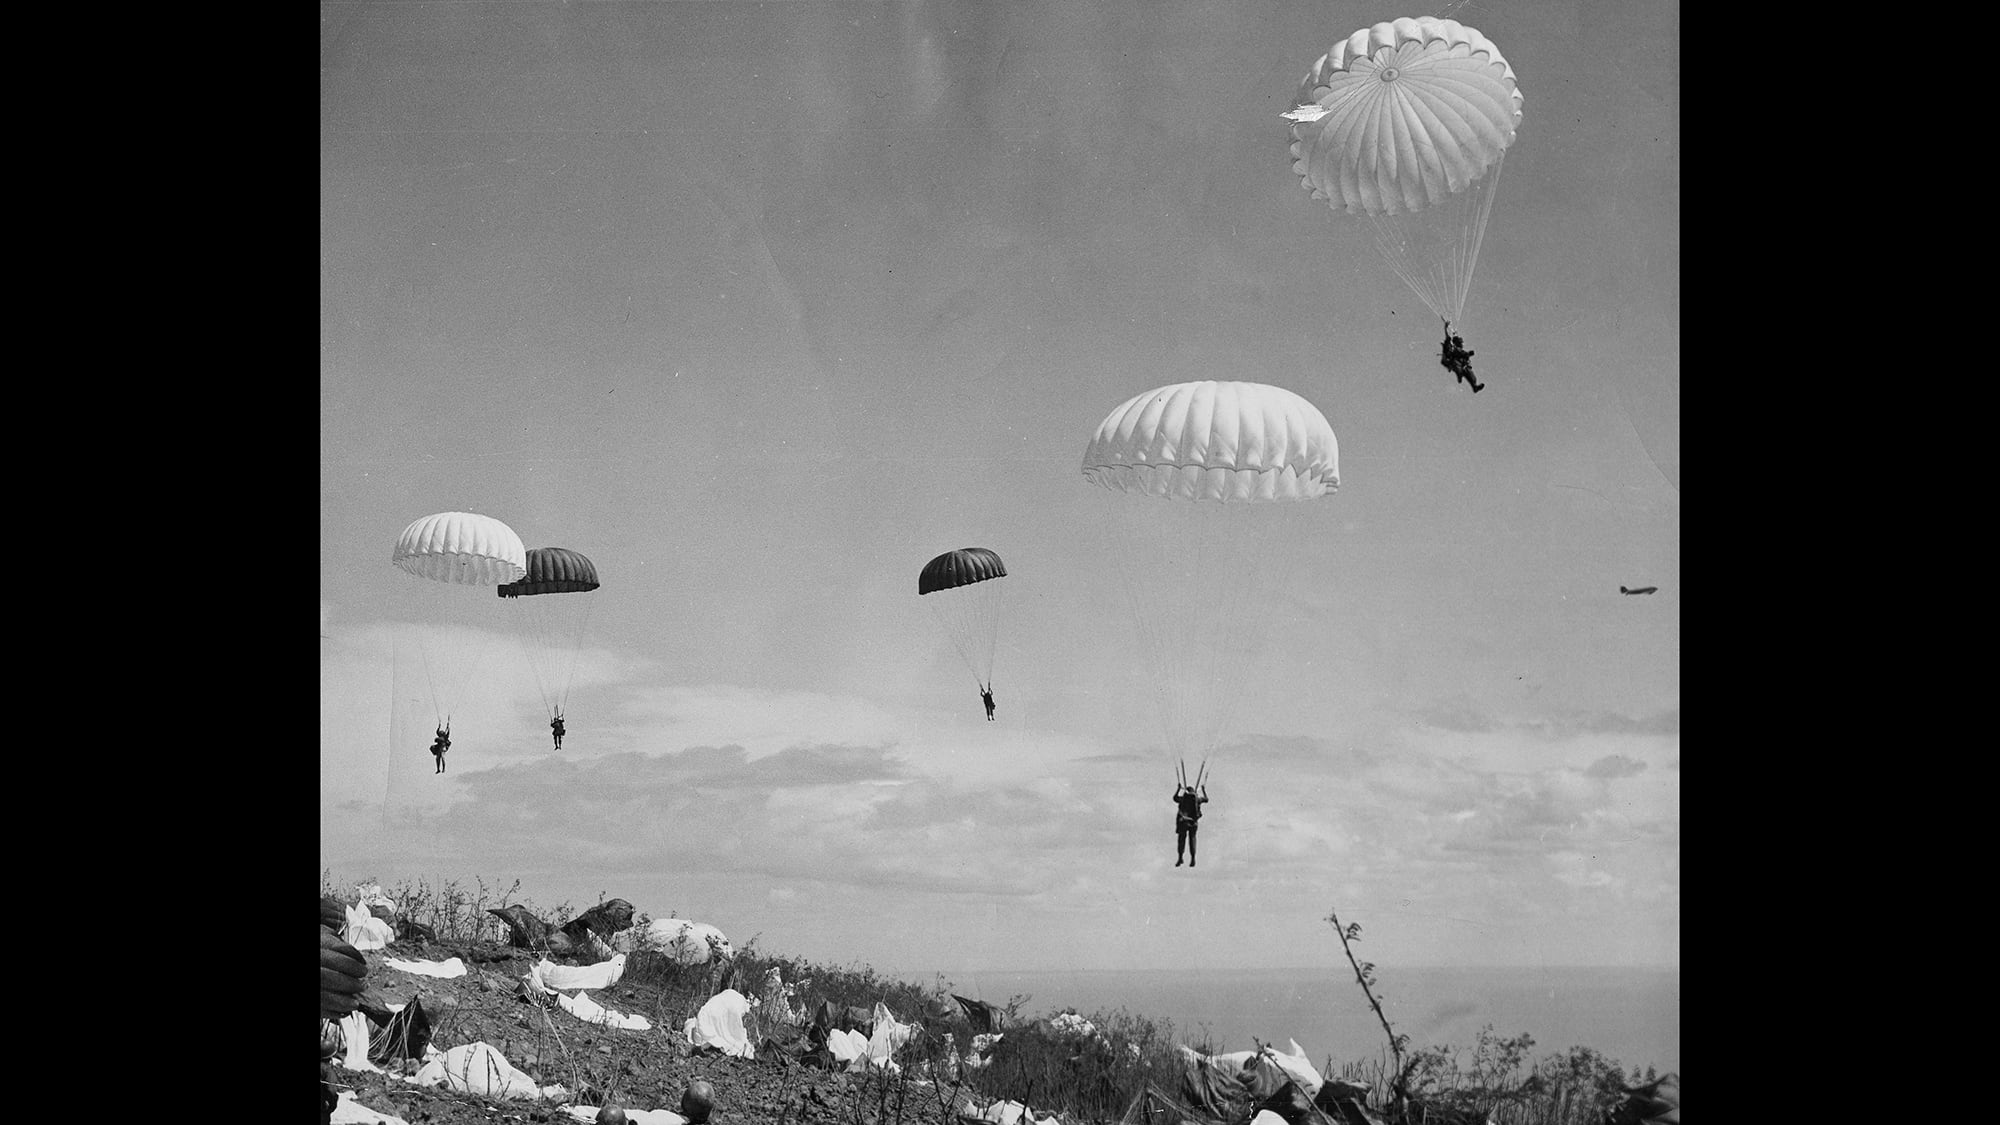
(1462, 715)
(761, 721)
(1574, 725)
(1615, 765)
(1574, 869)
(795, 801)
(1457, 715)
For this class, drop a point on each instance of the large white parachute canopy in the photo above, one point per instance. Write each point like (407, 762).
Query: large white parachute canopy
(1207, 496)
(456, 554)
(1407, 124)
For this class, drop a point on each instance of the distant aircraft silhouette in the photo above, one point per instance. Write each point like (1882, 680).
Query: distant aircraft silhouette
(1640, 590)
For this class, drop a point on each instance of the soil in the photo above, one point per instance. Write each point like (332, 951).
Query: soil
(601, 1066)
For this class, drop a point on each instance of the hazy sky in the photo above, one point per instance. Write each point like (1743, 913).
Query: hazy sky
(761, 306)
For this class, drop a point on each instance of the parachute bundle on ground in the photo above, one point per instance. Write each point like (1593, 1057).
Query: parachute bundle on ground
(546, 607)
(1406, 124)
(454, 553)
(962, 591)
(1206, 484)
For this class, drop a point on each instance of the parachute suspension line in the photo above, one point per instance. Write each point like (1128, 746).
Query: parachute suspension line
(570, 648)
(958, 626)
(1187, 591)
(428, 659)
(970, 617)
(555, 625)
(1434, 251)
(538, 643)
(434, 651)
(1474, 229)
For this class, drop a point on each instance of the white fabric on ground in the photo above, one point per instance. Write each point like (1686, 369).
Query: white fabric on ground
(887, 1035)
(478, 1068)
(689, 943)
(846, 1046)
(351, 1112)
(1299, 1067)
(355, 1030)
(1014, 1113)
(364, 931)
(719, 1024)
(549, 976)
(583, 1007)
(444, 969)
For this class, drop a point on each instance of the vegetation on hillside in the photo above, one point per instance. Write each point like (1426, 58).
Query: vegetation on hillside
(1051, 1060)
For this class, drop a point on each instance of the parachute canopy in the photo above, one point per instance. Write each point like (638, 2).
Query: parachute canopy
(1413, 111)
(1407, 123)
(959, 568)
(450, 550)
(1204, 571)
(553, 570)
(966, 602)
(553, 628)
(463, 548)
(1228, 441)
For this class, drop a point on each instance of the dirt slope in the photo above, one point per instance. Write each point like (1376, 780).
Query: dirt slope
(598, 1065)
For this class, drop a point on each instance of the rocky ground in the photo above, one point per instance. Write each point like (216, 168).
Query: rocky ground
(604, 1066)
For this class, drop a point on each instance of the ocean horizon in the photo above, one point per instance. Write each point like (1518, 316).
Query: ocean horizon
(1629, 1015)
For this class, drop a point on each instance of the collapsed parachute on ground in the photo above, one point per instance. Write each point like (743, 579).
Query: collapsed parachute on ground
(688, 943)
(1407, 124)
(1652, 1103)
(552, 619)
(449, 551)
(962, 591)
(1206, 486)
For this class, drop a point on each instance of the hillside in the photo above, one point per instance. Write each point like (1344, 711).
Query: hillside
(1067, 1067)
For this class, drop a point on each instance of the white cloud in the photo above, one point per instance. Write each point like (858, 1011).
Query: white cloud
(773, 792)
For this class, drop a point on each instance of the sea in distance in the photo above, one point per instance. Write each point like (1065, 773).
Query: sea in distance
(1631, 1016)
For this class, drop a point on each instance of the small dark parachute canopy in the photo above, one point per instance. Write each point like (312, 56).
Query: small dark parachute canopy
(553, 570)
(552, 628)
(967, 604)
(959, 568)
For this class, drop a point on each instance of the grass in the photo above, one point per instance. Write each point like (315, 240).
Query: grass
(1087, 1078)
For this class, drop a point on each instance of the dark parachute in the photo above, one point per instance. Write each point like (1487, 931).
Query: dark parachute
(554, 570)
(966, 601)
(959, 568)
(553, 627)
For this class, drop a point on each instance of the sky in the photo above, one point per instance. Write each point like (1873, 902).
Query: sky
(763, 306)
